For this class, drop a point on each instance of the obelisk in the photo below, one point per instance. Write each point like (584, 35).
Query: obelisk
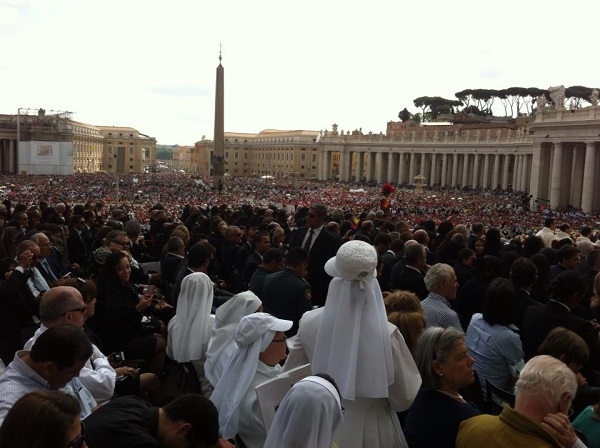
(218, 159)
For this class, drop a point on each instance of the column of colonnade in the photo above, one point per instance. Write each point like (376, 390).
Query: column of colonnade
(8, 156)
(459, 169)
(589, 177)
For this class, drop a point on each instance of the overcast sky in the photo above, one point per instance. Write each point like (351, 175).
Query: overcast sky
(151, 64)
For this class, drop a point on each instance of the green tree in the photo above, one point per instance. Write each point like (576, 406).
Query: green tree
(416, 118)
(404, 115)
(164, 153)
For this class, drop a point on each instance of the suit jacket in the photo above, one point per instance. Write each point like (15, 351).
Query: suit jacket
(556, 269)
(525, 301)
(252, 263)
(538, 321)
(410, 280)
(47, 276)
(77, 249)
(325, 246)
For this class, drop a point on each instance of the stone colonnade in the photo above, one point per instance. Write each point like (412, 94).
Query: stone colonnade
(448, 169)
(8, 156)
(565, 173)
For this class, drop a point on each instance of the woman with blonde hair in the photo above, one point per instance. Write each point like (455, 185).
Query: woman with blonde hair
(404, 310)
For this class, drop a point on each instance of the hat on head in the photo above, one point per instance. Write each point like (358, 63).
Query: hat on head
(355, 260)
(253, 326)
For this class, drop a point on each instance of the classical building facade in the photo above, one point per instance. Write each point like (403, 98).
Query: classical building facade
(275, 153)
(552, 156)
(53, 143)
(126, 150)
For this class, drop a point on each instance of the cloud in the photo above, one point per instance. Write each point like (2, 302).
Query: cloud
(491, 73)
(179, 91)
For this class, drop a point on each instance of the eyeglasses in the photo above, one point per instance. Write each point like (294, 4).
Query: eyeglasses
(80, 310)
(80, 440)
(122, 243)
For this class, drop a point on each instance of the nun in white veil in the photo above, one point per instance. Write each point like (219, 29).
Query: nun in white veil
(260, 342)
(351, 340)
(308, 416)
(190, 328)
(222, 343)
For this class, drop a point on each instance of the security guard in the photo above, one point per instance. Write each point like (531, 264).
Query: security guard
(286, 294)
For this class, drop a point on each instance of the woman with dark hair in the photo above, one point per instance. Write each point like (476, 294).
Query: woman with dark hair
(479, 247)
(11, 237)
(43, 419)
(571, 349)
(532, 245)
(119, 320)
(494, 345)
(472, 293)
(445, 367)
(493, 242)
(463, 268)
(540, 289)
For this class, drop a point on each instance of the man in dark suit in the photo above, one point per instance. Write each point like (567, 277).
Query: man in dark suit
(411, 277)
(78, 250)
(50, 271)
(523, 274)
(260, 243)
(538, 321)
(568, 260)
(321, 246)
(286, 294)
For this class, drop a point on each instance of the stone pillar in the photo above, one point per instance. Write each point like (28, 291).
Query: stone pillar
(391, 167)
(369, 166)
(465, 172)
(454, 169)
(432, 177)
(444, 169)
(496, 171)
(326, 171)
(344, 165)
(526, 174)
(534, 183)
(476, 171)
(379, 167)
(412, 168)
(589, 177)
(486, 172)
(556, 175)
(576, 177)
(402, 168)
(516, 171)
(505, 171)
(360, 168)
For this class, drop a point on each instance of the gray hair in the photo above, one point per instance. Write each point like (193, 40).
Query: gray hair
(435, 343)
(437, 275)
(133, 228)
(57, 301)
(36, 237)
(547, 379)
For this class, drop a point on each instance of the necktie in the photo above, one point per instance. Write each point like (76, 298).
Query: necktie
(46, 266)
(308, 241)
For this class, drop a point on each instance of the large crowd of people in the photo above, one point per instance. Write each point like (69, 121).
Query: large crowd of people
(411, 318)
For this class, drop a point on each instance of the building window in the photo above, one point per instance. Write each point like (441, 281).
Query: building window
(302, 157)
(314, 158)
(131, 159)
